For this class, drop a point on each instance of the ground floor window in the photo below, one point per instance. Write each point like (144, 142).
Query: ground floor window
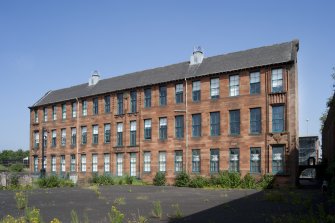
(107, 163)
(214, 160)
(277, 159)
(178, 161)
(234, 158)
(133, 164)
(196, 160)
(83, 162)
(255, 160)
(119, 164)
(45, 163)
(73, 163)
(35, 164)
(53, 163)
(62, 163)
(95, 163)
(162, 161)
(147, 161)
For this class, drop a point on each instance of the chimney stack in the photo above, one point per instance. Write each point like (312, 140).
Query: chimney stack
(94, 79)
(197, 56)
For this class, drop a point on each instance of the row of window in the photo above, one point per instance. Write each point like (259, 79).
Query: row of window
(234, 89)
(214, 164)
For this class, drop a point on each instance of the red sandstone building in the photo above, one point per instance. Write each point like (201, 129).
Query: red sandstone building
(235, 112)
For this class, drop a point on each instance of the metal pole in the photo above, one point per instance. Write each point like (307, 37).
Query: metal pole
(43, 141)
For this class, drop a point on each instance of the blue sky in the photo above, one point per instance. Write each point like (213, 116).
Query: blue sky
(48, 45)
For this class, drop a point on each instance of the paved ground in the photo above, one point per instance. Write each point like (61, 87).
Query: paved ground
(196, 205)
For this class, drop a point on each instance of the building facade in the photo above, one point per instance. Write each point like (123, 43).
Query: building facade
(235, 112)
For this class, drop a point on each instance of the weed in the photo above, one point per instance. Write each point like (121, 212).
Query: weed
(96, 190)
(177, 212)
(120, 201)
(21, 199)
(138, 219)
(275, 196)
(129, 179)
(115, 216)
(33, 215)
(142, 197)
(157, 210)
(74, 217)
(55, 220)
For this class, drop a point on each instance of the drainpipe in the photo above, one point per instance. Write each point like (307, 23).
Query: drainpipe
(186, 122)
(77, 137)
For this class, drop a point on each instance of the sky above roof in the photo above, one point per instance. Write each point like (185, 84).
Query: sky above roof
(48, 45)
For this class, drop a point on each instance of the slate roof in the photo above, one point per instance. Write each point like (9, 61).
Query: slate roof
(257, 57)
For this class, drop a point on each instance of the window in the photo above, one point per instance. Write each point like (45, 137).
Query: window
(84, 108)
(107, 100)
(95, 106)
(63, 111)
(147, 98)
(255, 160)
(147, 161)
(53, 163)
(234, 118)
(234, 85)
(133, 164)
(162, 95)
(196, 160)
(277, 159)
(36, 140)
(73, 136)
(147, 128)
(278, 118)
(63, 137)
(255, 85)
(107, 132)
(162, 128)
(214, 160)
(35, 164)
(45, 114)
(54, 138)
(62, 164)
(54, 112)
(277, 80)
(119, 164)
(95, 136)
(119, 139)
(36, 116)
(234, 158)
(83, 163)
(83, 135)
(73, 163)
(133, 101)
(179, 126)
(120, 103)
(107, 162)
(215, 123)
(179, 93)
(196, 91)
(94, 163)
(45, 163)
(162, 161)
(215, 88)
(133, 133)
(196, 125)
(178, 161)
(255, 120)
(45, 139)
(74, 109)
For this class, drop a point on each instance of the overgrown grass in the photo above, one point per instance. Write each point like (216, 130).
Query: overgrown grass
(115, 216)
(54, 181)
(119, 201)
(157, 211)
(21, 199)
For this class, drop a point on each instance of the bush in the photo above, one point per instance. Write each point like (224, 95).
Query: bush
(222, 180)
(18, 167)
(198, 182)
(54, 181)
(234, 179)
(159, 179)
(129, 179)
(14, 181)
(248, 182)
(182, 179)
(103, 180)
(267, 181)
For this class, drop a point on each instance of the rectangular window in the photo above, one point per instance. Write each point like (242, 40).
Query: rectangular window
(133, 101)
(120, 103)
(95, 134)
(255, 120)
(278, 118)
(255, 160)
(119, 137)
(234, 160)
(45, 162)
(162, 128)
(179, 93)
(215, 88)
(119, 164)
(234, 118)
(84, 107)
(214, 160)
(234, 85)
(62, 164)
(36, 116)
(74, 109)
(53, 163)
(133, 133)
(255, 85)
(73, 163)
(83, 135)
(277, 80)
(54, 112)
(36, 140)
(196, 160)
(45, 114)
(196, 125)
(179, 124)
(215, 123)
(133, 165)
(107, 162)
(162, 95)
(83, 163)
(277, 159)
(73, 136)
(162, 161)
(54, 138)
(63, 137)
(63, 111)
(178, 161)
(196, 93)
(45, 139)
(107, 133)
(147, 161)
(147, 98)
(94, 163)
(147, 128)
(95, 106)
(107, 100)
(35, 164)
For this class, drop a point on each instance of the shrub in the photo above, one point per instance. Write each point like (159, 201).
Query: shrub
(248, 181)
(33, 215)
(234, 179)
(21, 200)
(182, 179)
(14, 181)
(115, 216)
(17, 167)
(198, 182)
(159, 179)
(129, 179)
(222, 180)
(157, 211)
(103, 180)
(54, 181)
(66, 183)
(266, 182)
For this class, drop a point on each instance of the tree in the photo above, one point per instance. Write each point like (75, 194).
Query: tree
(329, 103)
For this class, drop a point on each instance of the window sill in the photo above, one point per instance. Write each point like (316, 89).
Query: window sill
(179, 139)
(162, 140)
(119, 115)
(215, 137)
(118, 147)
(214, 99)
(235, 135)
(132, 146)
(132, 113)
(149, 172)
(147, 140)
(107, 143)
(255, 134)
(278, 92)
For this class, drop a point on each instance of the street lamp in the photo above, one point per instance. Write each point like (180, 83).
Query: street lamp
(44, 137)
(307, 125)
